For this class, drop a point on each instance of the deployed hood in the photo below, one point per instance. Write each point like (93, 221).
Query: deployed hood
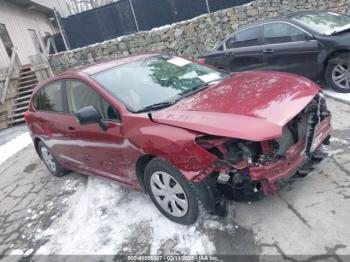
(251, 105)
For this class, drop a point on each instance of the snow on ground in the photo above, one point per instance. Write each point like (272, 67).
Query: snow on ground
(103, 218)
(331, 93)
(13, 146)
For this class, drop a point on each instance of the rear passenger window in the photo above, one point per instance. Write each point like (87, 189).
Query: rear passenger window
(275, 33)
(247, 37)
(80, 95)
(50, 98)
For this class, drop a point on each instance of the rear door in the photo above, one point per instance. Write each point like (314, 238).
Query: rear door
(243, 50)
(50, 117)
(289, 48)
(93, 150)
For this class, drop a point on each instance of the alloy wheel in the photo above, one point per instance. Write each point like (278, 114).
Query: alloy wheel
(48, 158)
(169, 194)
(341, 76)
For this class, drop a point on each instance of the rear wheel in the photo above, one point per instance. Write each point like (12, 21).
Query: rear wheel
(50, 161)
(171, 193)
(338, 77)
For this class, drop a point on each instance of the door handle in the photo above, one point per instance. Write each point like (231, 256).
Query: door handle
(70, 132)
(268, 51)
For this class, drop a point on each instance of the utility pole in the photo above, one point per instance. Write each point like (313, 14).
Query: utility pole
(61, 30)
(133, 13)
(208, 7)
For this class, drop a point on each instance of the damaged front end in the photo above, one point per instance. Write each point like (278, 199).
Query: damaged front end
(247, 170)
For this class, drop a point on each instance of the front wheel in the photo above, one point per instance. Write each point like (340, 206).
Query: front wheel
(338, 77)
(50, 161)
(171, 193)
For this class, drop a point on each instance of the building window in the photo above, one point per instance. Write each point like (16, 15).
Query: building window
(6, 40)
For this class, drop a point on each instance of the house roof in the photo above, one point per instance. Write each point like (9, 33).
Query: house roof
(33, 5)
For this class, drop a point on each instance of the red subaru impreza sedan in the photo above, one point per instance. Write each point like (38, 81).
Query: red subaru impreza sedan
(188, 135)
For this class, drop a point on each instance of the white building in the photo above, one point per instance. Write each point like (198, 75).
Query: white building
(25, 27)
(24, 24)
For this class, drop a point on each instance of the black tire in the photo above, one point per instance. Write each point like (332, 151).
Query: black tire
(330, 82)
(158, 165)
(59, 170)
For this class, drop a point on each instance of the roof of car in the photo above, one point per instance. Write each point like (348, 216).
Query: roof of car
(102, 66)
(284, 17)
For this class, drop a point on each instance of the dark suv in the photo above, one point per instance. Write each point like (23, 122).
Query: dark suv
(310, 43)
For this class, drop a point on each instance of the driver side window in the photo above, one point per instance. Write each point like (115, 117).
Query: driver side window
(80, 95)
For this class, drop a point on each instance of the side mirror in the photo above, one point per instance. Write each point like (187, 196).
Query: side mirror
(89, 115)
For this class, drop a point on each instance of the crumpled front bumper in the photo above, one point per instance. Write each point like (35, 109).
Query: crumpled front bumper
(294, 158)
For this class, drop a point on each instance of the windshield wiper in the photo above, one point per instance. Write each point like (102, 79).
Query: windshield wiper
(156, 106)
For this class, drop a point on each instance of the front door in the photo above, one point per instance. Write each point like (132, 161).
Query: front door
(50, 118)
(243, 50)
(98, 152)
(288, 48)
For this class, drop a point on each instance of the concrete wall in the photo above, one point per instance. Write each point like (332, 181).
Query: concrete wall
(192, 37)
(17, 21)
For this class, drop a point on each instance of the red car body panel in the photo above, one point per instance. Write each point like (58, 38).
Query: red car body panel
(251, 106)
(294, 158)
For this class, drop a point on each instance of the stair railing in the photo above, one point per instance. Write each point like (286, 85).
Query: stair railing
(13, 67)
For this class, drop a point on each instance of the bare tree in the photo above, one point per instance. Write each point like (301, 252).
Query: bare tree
(77, 6)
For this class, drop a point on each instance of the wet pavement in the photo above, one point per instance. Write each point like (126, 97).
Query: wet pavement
(40, 213)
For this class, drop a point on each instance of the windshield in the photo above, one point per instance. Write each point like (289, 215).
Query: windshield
(324, 23)
(155, 80)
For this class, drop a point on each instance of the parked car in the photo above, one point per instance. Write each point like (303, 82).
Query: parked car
(313, 44)
(184, 133)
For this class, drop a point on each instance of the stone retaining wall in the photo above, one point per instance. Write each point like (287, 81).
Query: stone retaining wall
(189, 38)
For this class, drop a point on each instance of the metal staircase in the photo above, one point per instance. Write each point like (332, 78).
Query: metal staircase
(16, 86)
(26, 83)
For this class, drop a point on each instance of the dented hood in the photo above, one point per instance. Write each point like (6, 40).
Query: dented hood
(251, 105)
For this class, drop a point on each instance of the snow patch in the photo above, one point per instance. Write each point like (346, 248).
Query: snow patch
(104, 219)
(14, 146)
(334, 152)
(333, 94)
(28, 252)
(17, 252)
(339, 140)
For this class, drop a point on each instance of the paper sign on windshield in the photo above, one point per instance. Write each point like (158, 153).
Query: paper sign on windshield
(209, 77)
(178, 61)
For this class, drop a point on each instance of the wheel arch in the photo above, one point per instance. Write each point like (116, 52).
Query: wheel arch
(36, 141)
(174, 144)
(332, 56)
(140, 168)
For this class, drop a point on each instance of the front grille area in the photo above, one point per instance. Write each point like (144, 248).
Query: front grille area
(302, 126)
